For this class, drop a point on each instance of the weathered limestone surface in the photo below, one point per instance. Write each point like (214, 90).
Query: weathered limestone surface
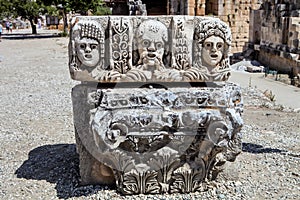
(130, 49)
(154, 113)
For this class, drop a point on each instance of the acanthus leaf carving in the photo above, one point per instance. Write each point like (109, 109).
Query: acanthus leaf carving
(140, 181)
(165, 161)
(188, 179)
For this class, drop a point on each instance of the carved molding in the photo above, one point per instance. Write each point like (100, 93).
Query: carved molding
(159, 140)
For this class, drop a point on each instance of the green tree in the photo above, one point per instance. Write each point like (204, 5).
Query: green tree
(59, 8)
(6, 9)
(30, 10)
(27, 9)
(96, 7)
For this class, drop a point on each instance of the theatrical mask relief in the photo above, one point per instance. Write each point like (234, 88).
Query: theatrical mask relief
(144, 49)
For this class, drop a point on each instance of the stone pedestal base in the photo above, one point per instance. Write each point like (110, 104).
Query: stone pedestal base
(91, 170)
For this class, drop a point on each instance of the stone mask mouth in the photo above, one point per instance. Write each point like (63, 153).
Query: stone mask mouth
(89, 56)
(151, 55)
(214, 55)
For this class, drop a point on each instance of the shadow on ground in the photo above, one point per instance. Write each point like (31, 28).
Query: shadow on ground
(57, 164)
(256, 149)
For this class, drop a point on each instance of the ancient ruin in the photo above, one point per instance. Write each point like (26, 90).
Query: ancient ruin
(154, 112)
(264, 30)
(235, 13)
(275, 36)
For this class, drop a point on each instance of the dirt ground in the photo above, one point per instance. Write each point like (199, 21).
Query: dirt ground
(38, 157)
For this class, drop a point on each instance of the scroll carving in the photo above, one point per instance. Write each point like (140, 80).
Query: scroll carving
(120, 45)
(181, 49)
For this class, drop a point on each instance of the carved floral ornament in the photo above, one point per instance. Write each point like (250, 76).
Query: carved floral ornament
(154, 145)
(149, 49)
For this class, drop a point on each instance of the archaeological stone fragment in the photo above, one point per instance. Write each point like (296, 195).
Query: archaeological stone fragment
(154, 112)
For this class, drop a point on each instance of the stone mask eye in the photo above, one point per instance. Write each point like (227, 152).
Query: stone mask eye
(219, 45)
(146, 43)
(208, 45)
(82, 46)
(94, 46)
(158, 45)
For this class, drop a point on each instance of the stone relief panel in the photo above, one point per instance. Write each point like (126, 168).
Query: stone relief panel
(151, 46)
(212, 40)
(158, 140)
(120, 47)
(144, 49)
(183, 29)
(87, 48)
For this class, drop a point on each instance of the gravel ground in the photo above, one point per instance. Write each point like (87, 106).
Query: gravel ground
(38, 157)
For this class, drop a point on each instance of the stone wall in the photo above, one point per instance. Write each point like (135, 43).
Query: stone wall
(275, 29)
(237, 15)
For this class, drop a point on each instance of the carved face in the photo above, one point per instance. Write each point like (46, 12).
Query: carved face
(88, 51)
(212, 51)
(151, 48)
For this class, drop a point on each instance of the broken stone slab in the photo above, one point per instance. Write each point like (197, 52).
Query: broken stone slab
(147, 48)
(153, 139)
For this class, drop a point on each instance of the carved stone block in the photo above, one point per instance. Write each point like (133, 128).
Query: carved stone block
(154, 113)
(158, 140)
(147, 49)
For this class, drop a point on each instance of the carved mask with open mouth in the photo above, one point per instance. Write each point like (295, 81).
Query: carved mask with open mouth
(88, 51)
(151, 48)
(212, 51)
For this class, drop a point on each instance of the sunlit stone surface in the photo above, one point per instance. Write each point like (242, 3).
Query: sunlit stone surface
(154, 112)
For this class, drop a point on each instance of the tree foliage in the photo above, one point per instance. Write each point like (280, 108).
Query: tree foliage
(96, 7)
(26, 9)
(32, 9)
(6, 9)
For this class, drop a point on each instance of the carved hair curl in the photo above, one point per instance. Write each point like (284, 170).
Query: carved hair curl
(210, 27)
(87, 29)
